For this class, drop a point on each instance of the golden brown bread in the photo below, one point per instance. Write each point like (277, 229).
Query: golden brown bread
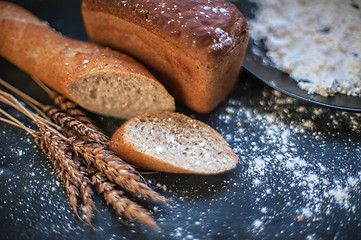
(97, 78)
(194, 47)
(173, 142)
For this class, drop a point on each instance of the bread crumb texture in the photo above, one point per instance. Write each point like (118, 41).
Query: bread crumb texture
(186, 144)
(125, 95)
(317, 42)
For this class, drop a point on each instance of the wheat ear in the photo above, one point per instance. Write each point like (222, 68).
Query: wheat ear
(64, 120)
(116, 199)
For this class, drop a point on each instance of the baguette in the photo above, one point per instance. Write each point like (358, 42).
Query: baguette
(172, 142)
(195, 48)
(97, 78)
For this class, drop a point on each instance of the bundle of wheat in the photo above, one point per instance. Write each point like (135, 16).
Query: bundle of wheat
(78, 152)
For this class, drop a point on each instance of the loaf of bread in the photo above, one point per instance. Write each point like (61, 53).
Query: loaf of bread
(194, 47)
(98, 79)
(172, 142)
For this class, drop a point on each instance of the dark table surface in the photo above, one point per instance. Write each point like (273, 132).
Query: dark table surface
(298, 175)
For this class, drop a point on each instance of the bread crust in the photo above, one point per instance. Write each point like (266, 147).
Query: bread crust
(127, 151)
(198, 60)
(59, 62)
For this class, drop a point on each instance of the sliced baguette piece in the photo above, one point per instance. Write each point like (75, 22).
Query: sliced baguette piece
(172, 142)
(97, 78)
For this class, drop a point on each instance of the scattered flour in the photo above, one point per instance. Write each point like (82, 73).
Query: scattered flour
(308, 184)
(318, 42)
(257, 223)
(264, 210)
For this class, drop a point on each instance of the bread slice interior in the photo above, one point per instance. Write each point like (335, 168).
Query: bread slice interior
(173, 142)
(121, 95)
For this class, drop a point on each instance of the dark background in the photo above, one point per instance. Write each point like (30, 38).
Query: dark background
(34, 204)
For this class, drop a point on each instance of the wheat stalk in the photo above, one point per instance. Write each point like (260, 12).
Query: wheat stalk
(70, 107)
(59, 117)
(114, 168)
(72, 173)
(59, 149)
(59, 153)
(104, 160)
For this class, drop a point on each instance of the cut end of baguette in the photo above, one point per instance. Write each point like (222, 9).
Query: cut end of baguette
(172, 142)
(120, 95)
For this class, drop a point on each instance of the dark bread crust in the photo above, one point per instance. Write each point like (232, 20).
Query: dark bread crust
(213, 28)
(194, 48)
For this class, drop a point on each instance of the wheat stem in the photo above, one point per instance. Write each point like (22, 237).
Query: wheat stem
(24, 96)
(64, 104)
(42, 85)
(59, 117)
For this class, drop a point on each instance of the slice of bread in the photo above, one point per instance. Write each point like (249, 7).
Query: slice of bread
(172, 142)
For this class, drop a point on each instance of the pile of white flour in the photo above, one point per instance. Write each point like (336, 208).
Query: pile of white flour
(318, 42)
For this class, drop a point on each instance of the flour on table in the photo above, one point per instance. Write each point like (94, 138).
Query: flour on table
(318, 42)
(294, 158)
